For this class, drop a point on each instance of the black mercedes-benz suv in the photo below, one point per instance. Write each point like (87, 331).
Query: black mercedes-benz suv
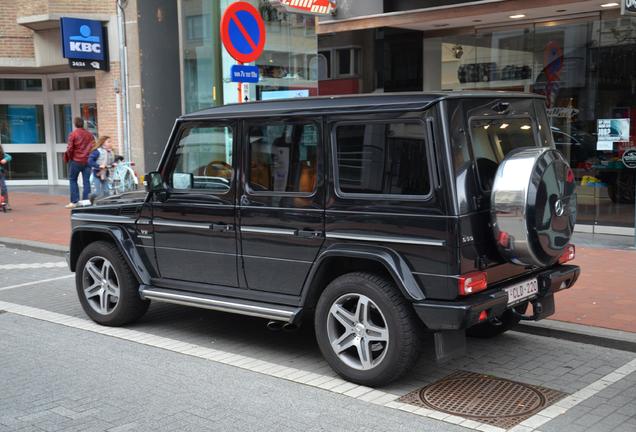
(376, 217)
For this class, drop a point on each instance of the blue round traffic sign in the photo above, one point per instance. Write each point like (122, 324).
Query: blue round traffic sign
(243, 32)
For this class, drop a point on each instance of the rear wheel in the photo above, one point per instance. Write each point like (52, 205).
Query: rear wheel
(366, 330)
(506, 322)
(106, 287)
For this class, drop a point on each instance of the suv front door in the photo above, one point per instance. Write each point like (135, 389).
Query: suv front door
(194, 229)
(282, 203)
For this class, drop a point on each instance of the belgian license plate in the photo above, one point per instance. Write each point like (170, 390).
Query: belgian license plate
(518, 293)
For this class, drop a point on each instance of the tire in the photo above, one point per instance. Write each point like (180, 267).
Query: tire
(488, 330)
(112, 303)
(387, 316)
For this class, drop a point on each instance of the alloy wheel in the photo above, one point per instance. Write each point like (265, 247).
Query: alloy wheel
(357, 331)
(100, 285)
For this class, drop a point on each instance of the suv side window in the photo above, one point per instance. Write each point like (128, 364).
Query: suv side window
(202, 159)
(282, 157)
(382, 158)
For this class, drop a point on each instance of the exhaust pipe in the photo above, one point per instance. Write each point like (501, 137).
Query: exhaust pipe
(289, 327)
(275, 326)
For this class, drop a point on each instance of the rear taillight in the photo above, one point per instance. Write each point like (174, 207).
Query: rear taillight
(568, 254)
(472, 283)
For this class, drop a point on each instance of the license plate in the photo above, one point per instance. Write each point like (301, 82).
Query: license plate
(518, 293)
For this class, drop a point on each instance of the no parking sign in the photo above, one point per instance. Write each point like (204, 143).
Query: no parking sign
(243, 32)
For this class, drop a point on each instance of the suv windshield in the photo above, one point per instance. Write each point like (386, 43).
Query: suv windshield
(493, 138)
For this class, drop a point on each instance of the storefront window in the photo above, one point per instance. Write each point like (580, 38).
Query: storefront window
(581, 67)
(21, 124)
(63, 122)
(287, 66)
(62, 168)
(27, 166)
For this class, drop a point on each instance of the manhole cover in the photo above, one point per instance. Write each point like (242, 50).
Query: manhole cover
(496, 401)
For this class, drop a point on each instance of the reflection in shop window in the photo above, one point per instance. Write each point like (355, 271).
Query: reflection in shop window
(21, 124)
(88, 112)
(27, 166)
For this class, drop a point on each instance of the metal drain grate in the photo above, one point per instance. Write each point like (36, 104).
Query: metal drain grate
(47, 204)
(487, 399)
(2, 311)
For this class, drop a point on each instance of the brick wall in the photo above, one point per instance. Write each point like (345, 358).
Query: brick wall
(107, 104)
(16, 41)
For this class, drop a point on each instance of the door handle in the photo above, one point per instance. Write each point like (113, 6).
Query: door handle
(221, 227)
(308, 233)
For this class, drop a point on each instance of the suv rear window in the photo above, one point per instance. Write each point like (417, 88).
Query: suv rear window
(493, 138)
(382, 159)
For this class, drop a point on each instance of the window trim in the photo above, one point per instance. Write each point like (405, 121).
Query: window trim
(171, 162)
(535, 131)
(391, 197)
(247, 157)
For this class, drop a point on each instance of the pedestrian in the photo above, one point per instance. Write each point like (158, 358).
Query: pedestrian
(100, 160)
(80, 144)
(5, 158)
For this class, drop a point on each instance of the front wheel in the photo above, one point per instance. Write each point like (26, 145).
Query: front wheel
(106, 287)
(366, 330)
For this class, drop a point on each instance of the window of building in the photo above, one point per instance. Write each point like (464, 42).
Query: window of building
(382, 159)
(283, 157)
(324, 65)
(60, 84)
(203, 160)
(88, 112)
(20, 84)
(63, 122)
(348, 59)
(21, 124)
(198, 27)
(86, 82)
(27, 166)
(62, 167)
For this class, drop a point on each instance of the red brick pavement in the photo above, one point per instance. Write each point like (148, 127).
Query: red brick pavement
(603, 296)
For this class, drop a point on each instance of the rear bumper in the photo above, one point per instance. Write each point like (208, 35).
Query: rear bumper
(464, 313)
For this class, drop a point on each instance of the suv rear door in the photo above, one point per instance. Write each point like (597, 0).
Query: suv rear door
(194, 229)
(282, 203)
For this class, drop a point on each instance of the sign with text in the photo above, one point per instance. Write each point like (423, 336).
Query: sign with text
(613, 130)
(307, 7)
(628, 7)
(629, 158)
(247, 74)
(82, 39)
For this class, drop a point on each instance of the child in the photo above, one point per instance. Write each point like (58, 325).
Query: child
(5, 158)
(100, 159)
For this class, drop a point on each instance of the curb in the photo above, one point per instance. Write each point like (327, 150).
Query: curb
(34, 246)
(615, 339)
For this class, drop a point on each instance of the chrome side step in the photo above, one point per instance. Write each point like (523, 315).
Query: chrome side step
(224, 304)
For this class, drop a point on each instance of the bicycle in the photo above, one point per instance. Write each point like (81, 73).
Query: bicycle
(121, 177)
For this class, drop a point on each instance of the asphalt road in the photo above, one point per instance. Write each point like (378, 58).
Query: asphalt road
(187, 369)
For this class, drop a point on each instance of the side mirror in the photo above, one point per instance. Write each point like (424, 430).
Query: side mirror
(153, 182)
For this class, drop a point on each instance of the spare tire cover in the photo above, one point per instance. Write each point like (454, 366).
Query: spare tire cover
(533, 206)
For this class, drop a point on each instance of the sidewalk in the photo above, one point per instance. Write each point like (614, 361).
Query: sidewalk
(603, 296)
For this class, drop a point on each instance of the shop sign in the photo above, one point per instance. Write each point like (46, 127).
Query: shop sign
(243, 32)
(628, 7)
(307, 7)
(629, 158)
(610, 131)
(84, 43)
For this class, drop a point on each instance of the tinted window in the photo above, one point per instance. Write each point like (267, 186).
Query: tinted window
(382, 158)
(283, 157)
(203, 159)
(494, 138)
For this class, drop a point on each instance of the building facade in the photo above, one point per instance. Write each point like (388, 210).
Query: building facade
(40, 93)
(580, 54)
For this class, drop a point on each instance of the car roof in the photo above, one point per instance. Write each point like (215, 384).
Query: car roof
(344, 104)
